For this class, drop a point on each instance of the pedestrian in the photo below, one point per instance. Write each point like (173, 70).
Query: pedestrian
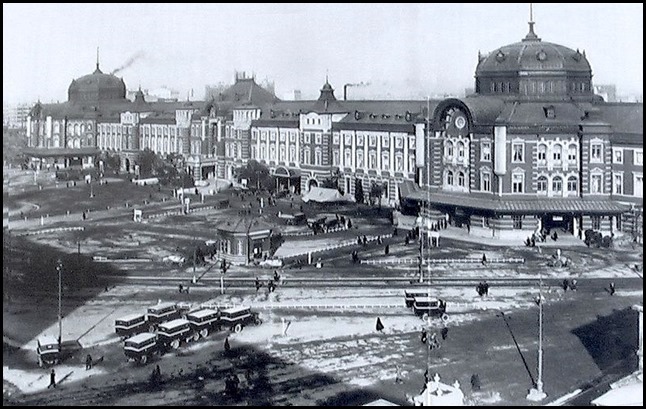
(424, 337)
(52, 379)
(276, 276)
(365, 240)
(565, 284)
(227, 347)
(359, 240)
(84, 216)
(468, 228)
(433, 343)
(484, 259)
(181, 288)
(88, 362)
(612, 288)
(486, 287)
(398, 378)
(573, 284)
(387, 249)
(258, 284)
(379, 326)
(444, 332)
(475, 382)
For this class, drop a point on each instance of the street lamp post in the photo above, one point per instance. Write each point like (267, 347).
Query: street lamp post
(537, 394)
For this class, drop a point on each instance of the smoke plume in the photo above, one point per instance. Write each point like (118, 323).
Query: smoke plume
(129, 62)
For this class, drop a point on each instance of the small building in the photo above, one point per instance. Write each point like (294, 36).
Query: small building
(243, 239)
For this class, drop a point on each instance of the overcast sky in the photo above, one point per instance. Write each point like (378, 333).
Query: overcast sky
(427, 47)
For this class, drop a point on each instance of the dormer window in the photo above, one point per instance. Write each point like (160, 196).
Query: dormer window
(549, 112)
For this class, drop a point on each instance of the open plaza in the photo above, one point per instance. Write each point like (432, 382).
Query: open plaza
(317, 343)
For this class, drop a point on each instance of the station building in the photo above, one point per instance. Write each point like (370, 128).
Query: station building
(534, 148)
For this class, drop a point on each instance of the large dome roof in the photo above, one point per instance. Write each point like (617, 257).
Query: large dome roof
(532, 54)
(96, 87)
(532, 68)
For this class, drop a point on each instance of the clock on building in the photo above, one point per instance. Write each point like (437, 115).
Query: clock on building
(455, 122)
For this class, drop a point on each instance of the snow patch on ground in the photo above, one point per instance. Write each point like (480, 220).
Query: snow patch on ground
(37, 380)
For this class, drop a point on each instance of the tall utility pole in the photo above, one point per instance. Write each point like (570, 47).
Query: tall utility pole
(59, 266)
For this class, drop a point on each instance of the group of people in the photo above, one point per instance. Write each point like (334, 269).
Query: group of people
(482, 288)
(271, 283)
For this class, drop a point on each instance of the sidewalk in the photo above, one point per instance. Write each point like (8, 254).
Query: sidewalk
(460, 234)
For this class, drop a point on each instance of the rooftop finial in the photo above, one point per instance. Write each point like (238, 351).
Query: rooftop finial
(98, 70)
(531, 36)
(326, 76)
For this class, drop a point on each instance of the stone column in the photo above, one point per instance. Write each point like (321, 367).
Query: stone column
(640, 352)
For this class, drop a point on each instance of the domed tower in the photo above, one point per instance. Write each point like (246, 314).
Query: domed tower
(536, 70)
(96, 88)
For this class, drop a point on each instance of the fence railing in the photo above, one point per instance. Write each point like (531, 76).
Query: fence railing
(510, 260)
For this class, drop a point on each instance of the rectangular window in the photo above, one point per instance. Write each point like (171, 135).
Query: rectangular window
(411, 142)
(595, 184)
(618, 156)
(336, 139)
(282, 137)
(272, 136)
(485, 153)
(347, 140)
(348, 157)
(639, 158)
(399, 163)
(517, 180)
(517, 221)
(399, 142)
(318, 138)
(292, 136)
(373, 140)
(618, 184)
(308, 138)
(359, 140)
(595, 152)
(359, 158)
(596, 222)
(385, 142)
(411, 163)
(517, 152)
(335, 158)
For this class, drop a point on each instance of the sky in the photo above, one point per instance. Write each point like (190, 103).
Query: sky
(425, 49)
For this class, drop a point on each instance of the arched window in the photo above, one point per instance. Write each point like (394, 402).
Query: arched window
(542, 153)
(385, 160)
(449, 178)
(571, 153)
(263, 152)
(557, 184)
(460, 150)
(461, 179)
(292, 153)
(56, 127)
(318, 157)
(557, 152)
(449, 149)
(572, 184)
(77, 129)
(283, 153)
(542, 184)
(307, 155)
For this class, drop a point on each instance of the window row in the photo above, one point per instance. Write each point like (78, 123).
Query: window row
(454, 148)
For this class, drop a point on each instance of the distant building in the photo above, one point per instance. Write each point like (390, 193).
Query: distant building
(15, 115)
(607, 92)
(162, 94)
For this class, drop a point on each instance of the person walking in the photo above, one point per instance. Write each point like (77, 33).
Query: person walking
(52, 379)
(444, 332)
(227, 346)
(612, 288)
(88, 362)
(379, 327)
(424, 336)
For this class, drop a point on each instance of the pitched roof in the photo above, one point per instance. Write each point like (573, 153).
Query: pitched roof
(625, 118)
(244, 225)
